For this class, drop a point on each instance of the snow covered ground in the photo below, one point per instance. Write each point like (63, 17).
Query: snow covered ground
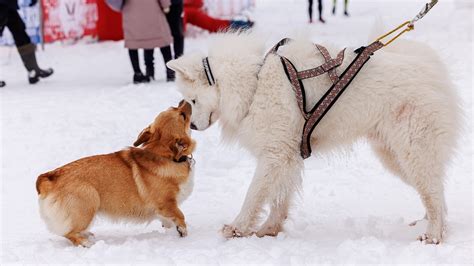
(351, 209)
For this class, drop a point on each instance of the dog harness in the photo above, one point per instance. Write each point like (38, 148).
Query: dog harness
(339, 84)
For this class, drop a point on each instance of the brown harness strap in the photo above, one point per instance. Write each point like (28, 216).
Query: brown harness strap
(331, 96)
(329, 67)
(296, 76)
(314, 116)
(332, 72)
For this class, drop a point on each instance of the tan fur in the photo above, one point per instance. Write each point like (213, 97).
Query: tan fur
(135, 183)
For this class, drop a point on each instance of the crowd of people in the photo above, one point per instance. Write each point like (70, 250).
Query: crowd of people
(147, 24)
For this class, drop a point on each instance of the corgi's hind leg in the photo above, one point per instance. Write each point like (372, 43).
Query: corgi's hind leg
(69, 212)
(82, 204)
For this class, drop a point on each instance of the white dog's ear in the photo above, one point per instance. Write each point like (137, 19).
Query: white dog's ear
(184, 67)
(176, 66)
(188, 67)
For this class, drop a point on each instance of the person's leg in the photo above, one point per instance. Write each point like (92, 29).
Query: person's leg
(166, 52)
(310, 11)
(18, 29)
(26, 49)
(133, 53)
(149, 63)
(320, 9)
(175, 21)
(346, 2)
(138, 76)
(334, 7)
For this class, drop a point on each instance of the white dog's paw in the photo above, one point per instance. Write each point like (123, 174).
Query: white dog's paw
(271, 230)
(428, 239)
(230, 231)
(182, 231)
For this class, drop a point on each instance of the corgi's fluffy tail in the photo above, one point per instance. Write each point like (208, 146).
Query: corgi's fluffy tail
(44, 183)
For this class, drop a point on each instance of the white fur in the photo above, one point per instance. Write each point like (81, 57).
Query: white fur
(402, 101)
(186, 188)
(54, 215)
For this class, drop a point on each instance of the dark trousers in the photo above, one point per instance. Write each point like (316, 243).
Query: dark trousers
(175, 21)
(148, 55)
(320, 9)
(15, 24)
(149, 58)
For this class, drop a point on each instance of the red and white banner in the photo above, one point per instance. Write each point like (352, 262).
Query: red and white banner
(69, 19)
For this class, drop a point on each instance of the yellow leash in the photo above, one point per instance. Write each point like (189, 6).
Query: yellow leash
(409, 24)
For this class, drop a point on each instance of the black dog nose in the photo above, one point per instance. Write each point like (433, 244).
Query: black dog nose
(193, 126)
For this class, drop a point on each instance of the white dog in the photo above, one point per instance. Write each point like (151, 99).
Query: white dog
(402, 101)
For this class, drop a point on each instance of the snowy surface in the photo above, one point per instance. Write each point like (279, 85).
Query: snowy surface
(351, 209)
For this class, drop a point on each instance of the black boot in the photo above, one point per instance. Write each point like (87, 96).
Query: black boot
(149, 64)
(150, 73)
(140, 78)
(2, 83)
(28, 56)
(170, 75)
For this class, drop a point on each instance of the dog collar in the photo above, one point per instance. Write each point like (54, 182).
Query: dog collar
(185, 158)
(208, 71)
(182, 159)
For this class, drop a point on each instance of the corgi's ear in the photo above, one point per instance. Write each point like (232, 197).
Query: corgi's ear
(187, 67)
(144, 137)
(181, 147)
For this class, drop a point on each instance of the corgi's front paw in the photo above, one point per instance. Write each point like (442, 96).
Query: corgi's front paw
(182, 231)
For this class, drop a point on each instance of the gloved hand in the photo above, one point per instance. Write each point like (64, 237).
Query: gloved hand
(33, 2)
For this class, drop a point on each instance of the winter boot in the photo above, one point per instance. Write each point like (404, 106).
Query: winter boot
(2, 83)
(150, 73)
(27, 54)
(140, 78)
(334, 10)
(170, 75)
(149, 64)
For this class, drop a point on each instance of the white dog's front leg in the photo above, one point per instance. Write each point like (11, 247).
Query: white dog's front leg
(243, 225)
(286, 180)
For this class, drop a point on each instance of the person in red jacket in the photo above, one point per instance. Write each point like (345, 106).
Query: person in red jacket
(194, 14)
